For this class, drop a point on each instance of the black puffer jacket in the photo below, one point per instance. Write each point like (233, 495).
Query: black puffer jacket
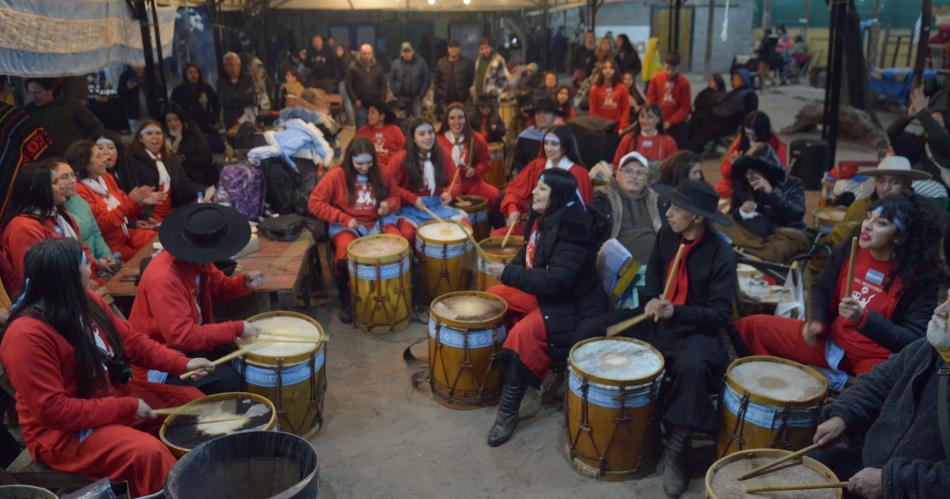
(783, 207)
(564, 278)
(140, 169)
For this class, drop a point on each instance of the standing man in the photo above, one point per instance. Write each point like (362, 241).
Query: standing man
(200, 102)
(236, 91)
(491, 73)
(322, 64)
(558, 49)
(454, 76)
(669, 89)
(131, 95)
(365, 83)
(584, 58)
(64, 119)
(409, 80)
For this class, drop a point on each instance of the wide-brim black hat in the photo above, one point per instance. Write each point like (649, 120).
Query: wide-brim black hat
(203, 233)
(545, 104)
(774, 173)
(695, 196)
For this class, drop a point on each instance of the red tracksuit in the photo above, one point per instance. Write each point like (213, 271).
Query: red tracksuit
(611, 103)
(388, 140)
(518, 192)
(167, 309)
(111, 222)
(97, 436)
(473, 185)
(401, 179)
(655, 148)
(21, 234)
(724, 187)
(330, 202)
(672, 96)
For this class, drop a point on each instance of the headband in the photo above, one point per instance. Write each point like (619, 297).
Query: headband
(894, 220)
(150, 129)
(105, 141)
(551, 138)
(363, 158)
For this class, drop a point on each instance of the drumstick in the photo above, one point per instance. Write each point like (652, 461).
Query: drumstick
(454, 178)
(471, 238)
(849, 282)
(669, 279)
(504, 240)
(181, 410)
(237, 353)
(433, 215)
(619, 327)
(793, 486)
(771, 464)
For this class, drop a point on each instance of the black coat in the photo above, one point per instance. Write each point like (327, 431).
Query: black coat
(235, 97)
(366, 82)
(129, 97)
(564, 278)
(197, 159)
(894, 407)
(915, 305)
(783, 207)
(141, 170)
(200, 104)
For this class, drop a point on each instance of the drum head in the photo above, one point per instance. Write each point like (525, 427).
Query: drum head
(778, 381)
(468, 307)
(468, 203)
(216, 415)
(380, 245)
(725, 473)
(286, 325)
(439, 231)
(616, 359)
(492, 246)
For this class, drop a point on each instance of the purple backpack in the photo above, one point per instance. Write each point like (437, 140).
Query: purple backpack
(241, 186)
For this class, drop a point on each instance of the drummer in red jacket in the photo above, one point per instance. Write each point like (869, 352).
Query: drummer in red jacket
(383, 131)
(357, 199)
(559, 150)
(669, 89)
(67, 355)
(468, 152)
(175, 297)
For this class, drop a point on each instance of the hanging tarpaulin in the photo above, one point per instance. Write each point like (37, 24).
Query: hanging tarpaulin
(48, 38)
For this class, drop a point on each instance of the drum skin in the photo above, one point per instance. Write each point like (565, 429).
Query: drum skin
(380, 286)
(446, 265)
(484, 281)
(181, 451)
(464, 365)
(295, 384)
(496, 174)
(792, 428)
(612, 443)
(770, 454)
(477, 209)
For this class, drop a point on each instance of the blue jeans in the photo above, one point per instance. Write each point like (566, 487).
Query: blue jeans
(347, 104)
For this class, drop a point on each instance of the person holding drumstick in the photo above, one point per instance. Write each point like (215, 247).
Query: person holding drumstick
(549, 287)
(895, 282)
(688, 296)
(356, 200)
(174, 301)
(468, 152)
(560, 152)
(68, 356)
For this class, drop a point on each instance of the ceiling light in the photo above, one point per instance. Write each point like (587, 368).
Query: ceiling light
(431, 2)
(466, 2)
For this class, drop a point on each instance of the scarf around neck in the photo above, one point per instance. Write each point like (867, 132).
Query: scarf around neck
(99, 186)
(679, 288)
(428, 172)
(164, 179)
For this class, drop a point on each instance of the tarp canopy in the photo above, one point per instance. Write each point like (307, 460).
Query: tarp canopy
(412, 5)
(48, 38)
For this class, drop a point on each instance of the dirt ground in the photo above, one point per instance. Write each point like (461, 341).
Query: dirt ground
(382, 438)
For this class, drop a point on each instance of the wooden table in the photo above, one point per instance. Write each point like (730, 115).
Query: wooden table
(286, 268)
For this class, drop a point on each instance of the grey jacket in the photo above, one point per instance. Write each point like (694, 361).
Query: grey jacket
(611, 192)
(901, 435)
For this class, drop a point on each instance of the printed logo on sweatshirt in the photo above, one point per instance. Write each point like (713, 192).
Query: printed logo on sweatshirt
(379, 142)
(364, 198)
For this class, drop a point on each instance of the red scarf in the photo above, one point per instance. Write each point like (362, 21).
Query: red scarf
(680, 286)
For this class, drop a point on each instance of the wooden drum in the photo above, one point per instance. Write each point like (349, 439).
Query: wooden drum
(827, 218)
(291, 375)
(492, 247)
(612, 410)
(722, 478)
(477, 209)
(380, 282)
(466, 331)
(213, 416)
(496, 174)
(769, 402)
(446, 257)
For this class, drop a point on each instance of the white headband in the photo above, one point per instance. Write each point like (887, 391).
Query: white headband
(105, 141)
(150, 129)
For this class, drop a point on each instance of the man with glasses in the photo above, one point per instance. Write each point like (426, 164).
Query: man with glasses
(629, 206)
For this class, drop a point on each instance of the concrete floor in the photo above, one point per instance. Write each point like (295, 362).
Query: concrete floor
(382, 438)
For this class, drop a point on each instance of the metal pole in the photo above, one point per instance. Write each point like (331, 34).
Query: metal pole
(676, 25)
(151, 82)
(162, 82)
(545, 37)
(711, 11)
(839, 12)
(923, 42)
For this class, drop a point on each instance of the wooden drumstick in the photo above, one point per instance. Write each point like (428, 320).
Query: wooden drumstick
(433, 215)
(237, 353)
(504, 240)
(619, 327)
(793, 486)
(772, 464)
(182, 410)
(471, 238)
(849, 283)
(669, 279)
(454, 178)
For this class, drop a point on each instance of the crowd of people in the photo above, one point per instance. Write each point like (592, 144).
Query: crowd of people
(81, 201)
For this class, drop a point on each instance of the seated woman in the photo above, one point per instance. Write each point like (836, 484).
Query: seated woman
(112, 208)
(113, 152)
(549, 287)
(559, 151)
(609, 99)
(648, 137)
(468, 153)
(768, 206)
(189, 146)
(423, 179)
(894, 289)
(69, 356)
(89, 232)
(718, 115)
(485, 120)
(36, 212)
(175, 297)
(565, 104)
(152, 164)
(357, 199)
(382, 130)
(756, 136)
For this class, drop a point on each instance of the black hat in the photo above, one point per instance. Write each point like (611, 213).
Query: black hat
(545, 104)
(773, 172)
(203, 233)
(695, 196)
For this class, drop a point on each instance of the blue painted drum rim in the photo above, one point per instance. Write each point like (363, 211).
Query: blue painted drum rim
(387, 271)
(767, 416)
(442, 251)
(266, 376)
(608, 396)
(477, 339)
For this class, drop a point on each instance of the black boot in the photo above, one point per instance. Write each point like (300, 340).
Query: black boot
(343, 286)
(515, 387)
(674, 474)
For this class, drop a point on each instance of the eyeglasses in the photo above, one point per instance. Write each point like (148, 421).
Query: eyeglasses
(634, 172)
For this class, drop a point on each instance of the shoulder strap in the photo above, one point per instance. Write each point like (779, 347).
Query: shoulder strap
(943, 417)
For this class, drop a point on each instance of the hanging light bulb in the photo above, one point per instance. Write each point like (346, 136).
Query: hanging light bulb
(431, 2)
(466, 2)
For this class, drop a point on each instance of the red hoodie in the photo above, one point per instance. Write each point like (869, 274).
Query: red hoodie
(401, 179)
(672, 96)
(481, 163)
(20, 234)
(388, 140)
(330, 200)
(611, 103)
(518, 192)
(655, 148)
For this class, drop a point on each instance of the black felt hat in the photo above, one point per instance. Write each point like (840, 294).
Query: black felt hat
(203, 233)
(695, 196)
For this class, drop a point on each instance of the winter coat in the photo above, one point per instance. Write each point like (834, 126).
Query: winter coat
(200, 104)
(409, 78)
(608, 204)
(724, 187)
(66, 121)
(583, 59)
(783, 207)
(322, 64)
(141, 170)
(563, 279)
(497, 77)
(443, 90)
(235, 97)
(366, 82)
(628, 62)
(195, 155)
(129, 97)
(894, 410)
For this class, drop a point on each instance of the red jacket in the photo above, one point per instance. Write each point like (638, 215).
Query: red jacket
(611, 103)
(388, 140)
(724, 187)
(41, 365)
(401, 178)
(330, 202)
(110, 222)
(20, 234)
(518, 192)
(481, 163)
(673, 97)
(656, 148)
(166, 304)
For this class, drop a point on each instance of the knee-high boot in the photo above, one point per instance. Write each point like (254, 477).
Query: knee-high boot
(342, 278)
(674, 474)
(516, 384)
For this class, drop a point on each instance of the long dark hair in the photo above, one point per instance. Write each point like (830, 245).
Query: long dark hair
(625, 47)
(137, 144)
(916, 245)
(466, 130)
(761, 125)
(412, 162)
(617, 78)
(674, 170)
(55, 295)
(121, 168)
(563, 187)
(568, 143)
(635, 128)
(79, 155)
(33, 190)
(362, 145)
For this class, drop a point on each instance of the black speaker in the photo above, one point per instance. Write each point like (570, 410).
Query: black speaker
(596, 139)
(809, 160)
